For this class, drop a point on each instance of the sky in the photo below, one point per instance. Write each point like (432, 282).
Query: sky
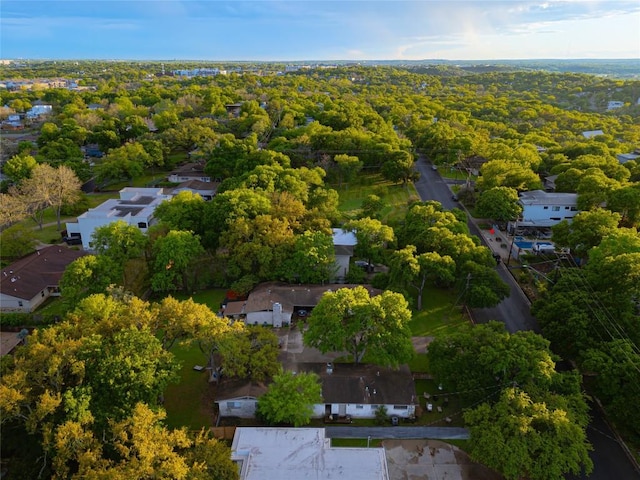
(299, 30)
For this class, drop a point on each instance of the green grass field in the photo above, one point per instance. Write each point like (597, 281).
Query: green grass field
(395, 196)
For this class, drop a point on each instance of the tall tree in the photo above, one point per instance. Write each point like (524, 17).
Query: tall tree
(290, 398)
(417, 270)
(174, 257)
(372, 236)
(524, 438)
(349, 320)
(51, 187)
(313, 259)
(499, 203)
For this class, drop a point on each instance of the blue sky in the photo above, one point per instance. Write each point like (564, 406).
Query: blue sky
(292, 30)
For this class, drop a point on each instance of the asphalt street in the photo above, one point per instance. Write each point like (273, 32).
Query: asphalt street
(609, 458)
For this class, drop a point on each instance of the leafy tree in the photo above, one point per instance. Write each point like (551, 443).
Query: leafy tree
(19, 167)
(499, 203)
(417, 270)
(88, 275)
(126, 162)
(481, 286)
(312, 259)
(399, 167)
(183, 211)
(482, 359)
(372, 237)
(256, 246)
(119, 241)
(502, 173)
(524, 438)
(586, 230)
(17, 241)
(615, 366)
(347, 167)
(250, 353)
(290, 398)
(371, 206)
(626, 201)
(174, 257)
(349, 320)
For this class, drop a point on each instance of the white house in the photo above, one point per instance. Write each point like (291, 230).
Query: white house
(545, 209)
(614, 104)
(348, 391)
(277, 453)
(29, 281)
(343, 243)
(39, 110)
(135, 206)
(274, 303)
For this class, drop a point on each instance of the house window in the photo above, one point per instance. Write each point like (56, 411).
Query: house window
(232, 405)
(555, 209)
(374, 407)
(42, 293)
(566, 208)
(359, 407)
(20, 303)
(555, 218)
(574, 209)
(142, 225)
(400, 407)
(546, 208)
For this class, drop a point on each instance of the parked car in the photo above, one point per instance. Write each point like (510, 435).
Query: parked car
(365, 265)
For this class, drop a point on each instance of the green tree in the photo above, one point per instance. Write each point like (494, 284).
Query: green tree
(499, 203)
(372, 236)
(349, 320)
(183, 211)
(502, 173)
(417, 270)
(126, 162)
(19, 167)
(347, 167)
(586, 230)
(290, 398)
(174, 258)
(88, 275)
(17, 241)
(398, 166)
(372, 205)
(250, 353)
(524, 438)
(312, 260)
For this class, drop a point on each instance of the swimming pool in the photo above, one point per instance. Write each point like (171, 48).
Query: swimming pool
(528, 244)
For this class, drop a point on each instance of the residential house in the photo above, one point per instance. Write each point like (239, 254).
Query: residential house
(9, 341)
(614, 104)
(206, 190)
(39, 110)
(135, 206)
(592, 133)
(545, 209)
(29, 281)
(627, 157)
(344, 242)
(233, 109)
(348, 391)
(275, 453)
(189, 171)
(275, 303)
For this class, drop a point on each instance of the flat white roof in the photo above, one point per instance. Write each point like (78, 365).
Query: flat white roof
(344, 237)
(276, 453)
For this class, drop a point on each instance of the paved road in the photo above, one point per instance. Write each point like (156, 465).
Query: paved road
(514, 310)
(610, 461)
(442, 433)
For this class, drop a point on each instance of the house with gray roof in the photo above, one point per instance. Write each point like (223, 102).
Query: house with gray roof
(545, 209)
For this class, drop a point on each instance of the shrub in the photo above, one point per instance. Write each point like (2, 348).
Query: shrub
(381, 415)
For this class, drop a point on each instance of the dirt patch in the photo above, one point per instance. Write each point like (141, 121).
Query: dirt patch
(432, 460)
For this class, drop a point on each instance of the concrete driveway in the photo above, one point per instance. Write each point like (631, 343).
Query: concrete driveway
(432, 460)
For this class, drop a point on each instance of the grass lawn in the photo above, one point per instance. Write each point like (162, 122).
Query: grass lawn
(395, 196)
(439, 315)
(186, 402)
(450, 404)
(211, 298)
(355, 442)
